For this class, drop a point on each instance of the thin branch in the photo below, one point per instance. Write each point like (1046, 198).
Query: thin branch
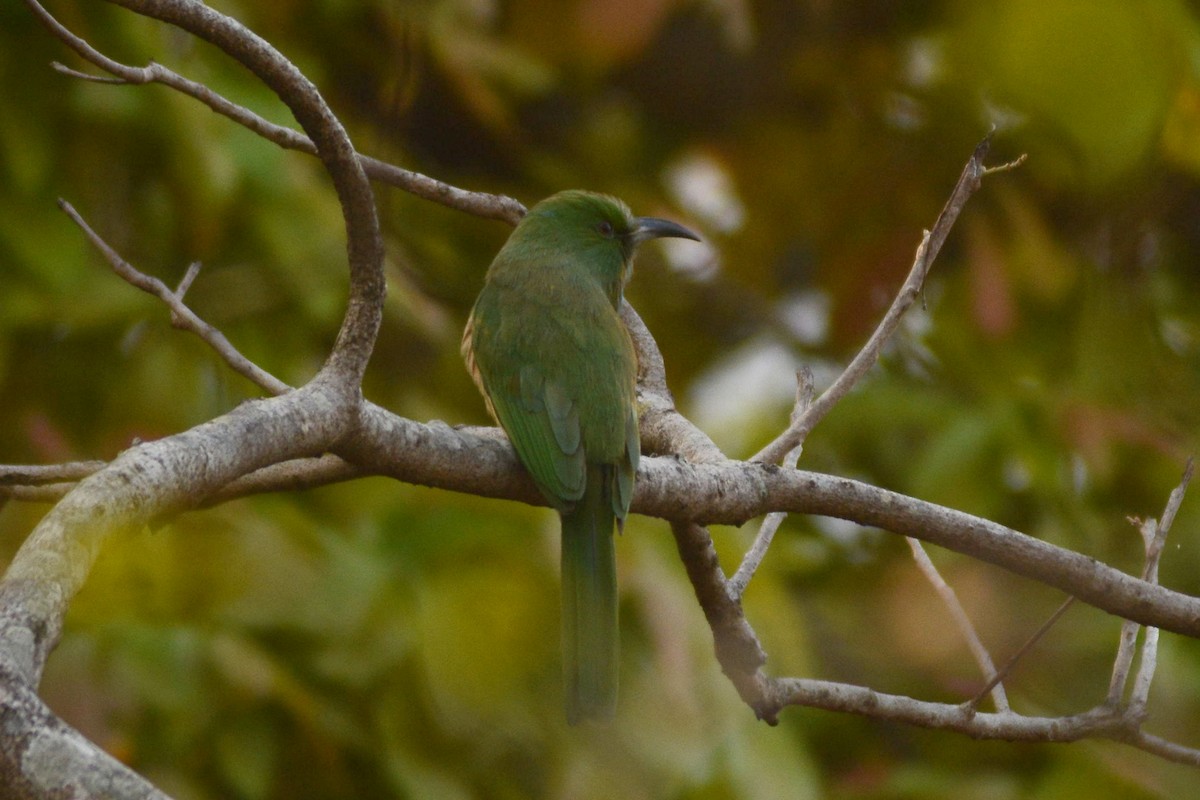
(288, 476)
(1154, 538)
(1163, 748)
(34, 475)
(181, 315)
(481, 204)
(189, 277)
(1007, 166)
(63, 69)
(1122, 662)
(770, 524)
(1004, 672)
(1173, 503)
(931, 244)
(1147, 664)
(37, 493)
(1100, 722)
(963, 622)
(758, 548)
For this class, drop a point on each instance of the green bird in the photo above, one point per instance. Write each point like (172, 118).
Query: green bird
(548, 351)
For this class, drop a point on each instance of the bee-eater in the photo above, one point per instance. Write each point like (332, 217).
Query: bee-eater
(548, 351)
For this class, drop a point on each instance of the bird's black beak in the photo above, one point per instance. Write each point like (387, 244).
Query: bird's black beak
(655, 228)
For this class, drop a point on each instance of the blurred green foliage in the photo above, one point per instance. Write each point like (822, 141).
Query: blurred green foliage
(380, 640)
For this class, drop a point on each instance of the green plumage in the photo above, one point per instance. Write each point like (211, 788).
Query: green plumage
(546, 346)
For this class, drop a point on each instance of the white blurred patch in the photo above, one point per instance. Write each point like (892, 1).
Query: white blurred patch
(924, 62)
(850, 537)
(702, 187)
(1003, 118)
(1179, 335)
(696, 260)
(1017, 475)
(730, 400)
(903, 111)
(1079, 474)
(736, 22)
(806, 316)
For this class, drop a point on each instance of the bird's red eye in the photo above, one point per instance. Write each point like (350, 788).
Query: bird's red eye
(605, 228)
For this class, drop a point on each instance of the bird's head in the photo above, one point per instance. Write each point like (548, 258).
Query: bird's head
(596, 228)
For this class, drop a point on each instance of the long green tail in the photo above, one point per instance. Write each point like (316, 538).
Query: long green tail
(589, 605)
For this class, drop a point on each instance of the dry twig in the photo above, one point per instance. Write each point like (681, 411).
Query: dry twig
(481, 204)
(931, 244)
(181, 315)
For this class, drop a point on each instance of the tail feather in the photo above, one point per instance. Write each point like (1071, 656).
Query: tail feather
(589, 605)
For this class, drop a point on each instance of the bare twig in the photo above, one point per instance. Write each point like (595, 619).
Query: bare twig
(927, 252)
(37, 493)
(1007, 669)
(43, 483)
(480, 204)
(1148, 662)
(1101, 722)
(1154, 537)
(1168, 517)
(189, 277)
(181, 315)
(1122, 662)
(364, 243)
(770, 524)
(37, 475)
(962, 621)
(1163, 748)
(758, 548)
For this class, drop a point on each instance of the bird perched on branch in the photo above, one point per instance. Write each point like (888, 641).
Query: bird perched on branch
(548, 351)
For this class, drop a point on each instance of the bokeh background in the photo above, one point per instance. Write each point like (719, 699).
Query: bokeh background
(381, 640)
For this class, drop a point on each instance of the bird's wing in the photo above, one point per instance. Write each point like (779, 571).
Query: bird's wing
(557, 373)
(543, 425)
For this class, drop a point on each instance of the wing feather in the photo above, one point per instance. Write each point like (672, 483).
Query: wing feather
(557, 369)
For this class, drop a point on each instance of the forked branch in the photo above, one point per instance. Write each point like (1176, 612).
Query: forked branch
(323, 432)
(927, 252)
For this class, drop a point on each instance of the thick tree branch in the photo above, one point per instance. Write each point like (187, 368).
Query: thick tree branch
(732, 492)
(41, 756)
(729, 493)
(737, 647)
